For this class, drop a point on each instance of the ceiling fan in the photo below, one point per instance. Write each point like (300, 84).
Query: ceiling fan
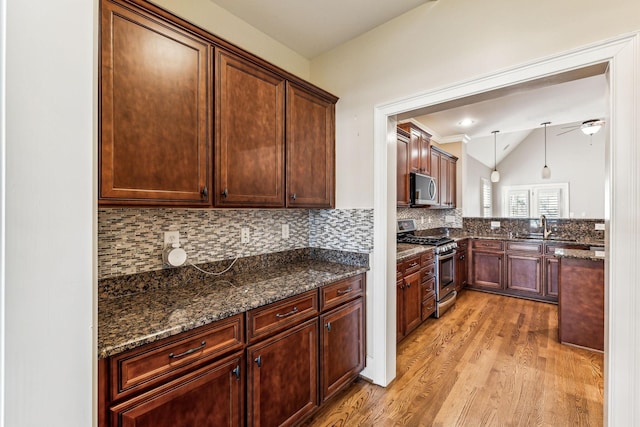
(588, 127)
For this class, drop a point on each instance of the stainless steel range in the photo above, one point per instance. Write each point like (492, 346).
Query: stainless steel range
(445, 250)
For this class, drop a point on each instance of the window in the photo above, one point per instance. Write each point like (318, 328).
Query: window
(531, 201)
(485, 192)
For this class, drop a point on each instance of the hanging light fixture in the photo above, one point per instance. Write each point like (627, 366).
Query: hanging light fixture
(546, 172)
(591, 127)
(495, 175)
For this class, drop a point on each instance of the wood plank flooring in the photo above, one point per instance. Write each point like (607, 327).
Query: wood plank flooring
(490, 361)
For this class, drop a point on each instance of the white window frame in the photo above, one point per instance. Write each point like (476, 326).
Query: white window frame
(533, 189)
(486, 200)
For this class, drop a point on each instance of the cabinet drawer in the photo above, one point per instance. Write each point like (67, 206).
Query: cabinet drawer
(428, 272)
(528, 247)
(494, 245)
(551, 249)
(428, 307)
(148, 365)
(342, 291)
(277, 316)
(462, 244)
(411, 265)
(428, 287)
(427, 258)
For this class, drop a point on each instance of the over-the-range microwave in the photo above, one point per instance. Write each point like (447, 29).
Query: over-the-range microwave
(423, 189)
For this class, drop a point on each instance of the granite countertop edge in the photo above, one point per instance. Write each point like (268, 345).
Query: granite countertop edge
(579, 254)
(148, 317)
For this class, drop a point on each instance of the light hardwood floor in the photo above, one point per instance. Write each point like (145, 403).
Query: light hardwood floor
(490, 361)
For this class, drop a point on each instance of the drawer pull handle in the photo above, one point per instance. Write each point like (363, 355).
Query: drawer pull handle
(294, 311)
(344, 291)
(193, 350)
(258, 360)
(413, 264)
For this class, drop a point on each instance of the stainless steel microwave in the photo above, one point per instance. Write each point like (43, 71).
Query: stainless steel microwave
(423, 190)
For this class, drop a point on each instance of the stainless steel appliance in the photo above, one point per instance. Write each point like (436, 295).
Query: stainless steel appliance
(423, 189)
(445, 250)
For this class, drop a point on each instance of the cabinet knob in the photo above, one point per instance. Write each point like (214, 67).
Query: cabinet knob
(205, 192)
(225, 193)
(258, 360)
(236, 372)
(294, 196)
(328, 326)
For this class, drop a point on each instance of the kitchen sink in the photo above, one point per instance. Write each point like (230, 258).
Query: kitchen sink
(539, 237)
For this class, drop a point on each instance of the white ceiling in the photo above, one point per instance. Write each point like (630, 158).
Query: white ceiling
(517, 114)
(313, 27)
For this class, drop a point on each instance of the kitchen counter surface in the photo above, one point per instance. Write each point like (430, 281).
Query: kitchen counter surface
(405, 250)
(580, 254)
(131, 321)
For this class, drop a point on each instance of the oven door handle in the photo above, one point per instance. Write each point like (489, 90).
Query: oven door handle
(447, 256)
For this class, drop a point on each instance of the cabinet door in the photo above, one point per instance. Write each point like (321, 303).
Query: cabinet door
(425, 155)
(250, 134)
(443, 181)
(461, 270)
(283, 376)
(435, 172)
(342, 349)
(487, 269)
(310, 149)
(451, 183)
(402, 170)
(524, 273)
(209, 397)
(399, 310)
(414, 154)
(412, 302)
(551, 277)
(154, 142)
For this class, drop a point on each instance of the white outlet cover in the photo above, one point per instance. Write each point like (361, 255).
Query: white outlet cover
(495, 224)
(171, 237)
(600, 226)
(285, 231)
(449, 218)
(244, 235)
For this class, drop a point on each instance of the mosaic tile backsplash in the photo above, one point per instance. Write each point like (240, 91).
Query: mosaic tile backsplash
(579, 229)
(130, 241)
(432, 218)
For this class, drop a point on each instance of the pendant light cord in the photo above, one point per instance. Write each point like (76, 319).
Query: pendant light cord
(545, 142)
(495, 163)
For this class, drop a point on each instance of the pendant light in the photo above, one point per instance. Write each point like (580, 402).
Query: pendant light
(495, 175)
(546, 172)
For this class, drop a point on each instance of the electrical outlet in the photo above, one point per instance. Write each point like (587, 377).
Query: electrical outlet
(495, 224)
(244, 235)
(285, 231)
(171, 237)
(421, 220)
(449, 218)
(599, 226)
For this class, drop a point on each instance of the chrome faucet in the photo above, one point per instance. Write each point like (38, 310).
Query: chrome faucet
(543, 223)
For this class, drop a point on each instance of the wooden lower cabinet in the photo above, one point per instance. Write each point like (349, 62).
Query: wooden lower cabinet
(410, 305)
(342, 351)
(211, 396)
(487, 270)
(282, 377)
(524, 273)
(551, 277)
(461, 265)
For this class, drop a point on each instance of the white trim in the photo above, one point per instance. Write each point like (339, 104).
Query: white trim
(622, 214)
(3, 204)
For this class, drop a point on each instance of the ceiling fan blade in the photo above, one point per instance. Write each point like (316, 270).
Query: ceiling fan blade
(571, 127)
(566, 131)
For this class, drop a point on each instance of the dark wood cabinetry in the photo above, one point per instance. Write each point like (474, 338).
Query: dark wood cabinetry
(581, 302)
(211, 396)
(461, 265)
(249, 149)
(342, 351)
(155, 145)
(415, 293)
(550, 268)
(187, 119)
(428, 286)
(443, 169)
(282, 382)
(310, 149)
(402, 169)
(524, 268)
(487, 259)
(276, 374)
(419, 140)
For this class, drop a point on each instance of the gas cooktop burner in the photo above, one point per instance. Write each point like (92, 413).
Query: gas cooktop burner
(406, 227)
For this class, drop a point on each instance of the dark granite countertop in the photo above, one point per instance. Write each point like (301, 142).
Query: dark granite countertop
(405, 250)
(580, 254)
(131, 321)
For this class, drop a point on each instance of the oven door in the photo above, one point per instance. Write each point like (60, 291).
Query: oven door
(445, 275)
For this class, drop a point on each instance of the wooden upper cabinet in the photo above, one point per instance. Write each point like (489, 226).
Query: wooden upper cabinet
(402, 169)
(249, 149)
(310, 149)
(154, 139)
(419, 160)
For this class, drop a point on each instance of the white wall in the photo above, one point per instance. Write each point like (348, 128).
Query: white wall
(573, 157)
(49, 205)
(209, 16)
(441, 43)
(472, 201)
